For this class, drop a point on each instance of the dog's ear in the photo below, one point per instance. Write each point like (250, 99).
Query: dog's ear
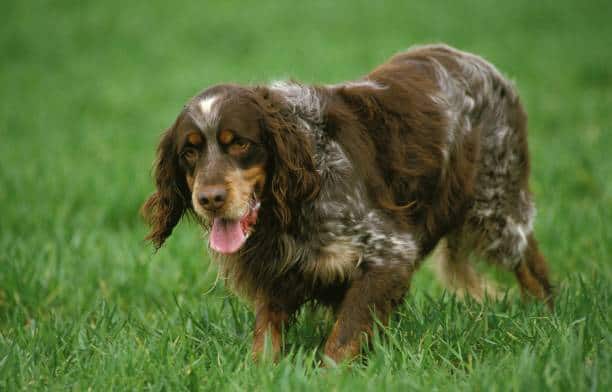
(165, 207)
(294, 178)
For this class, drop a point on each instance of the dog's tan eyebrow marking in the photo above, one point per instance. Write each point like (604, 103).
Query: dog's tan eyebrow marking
(226, 136)
(194, 138)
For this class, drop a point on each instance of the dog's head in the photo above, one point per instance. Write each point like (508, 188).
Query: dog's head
(231, 151)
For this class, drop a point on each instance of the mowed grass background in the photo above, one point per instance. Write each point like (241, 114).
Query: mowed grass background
(86, 88)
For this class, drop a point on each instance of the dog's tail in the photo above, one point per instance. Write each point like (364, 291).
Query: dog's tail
(458, 275)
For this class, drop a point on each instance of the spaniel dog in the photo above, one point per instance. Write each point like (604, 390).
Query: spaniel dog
(334, 194)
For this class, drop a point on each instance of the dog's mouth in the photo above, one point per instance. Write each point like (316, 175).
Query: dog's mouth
(227, 236)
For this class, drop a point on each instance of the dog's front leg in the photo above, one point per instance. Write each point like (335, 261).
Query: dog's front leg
(374, 292)
(267, 335)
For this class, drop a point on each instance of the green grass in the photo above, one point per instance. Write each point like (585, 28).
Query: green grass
(87, 87)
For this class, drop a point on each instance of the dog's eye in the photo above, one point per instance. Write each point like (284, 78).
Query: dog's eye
(239, 147)
(189, 155)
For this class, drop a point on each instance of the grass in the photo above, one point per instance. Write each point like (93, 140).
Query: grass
(87, 87)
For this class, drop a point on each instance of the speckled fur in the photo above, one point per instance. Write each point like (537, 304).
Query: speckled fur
(501, 217)
(362, 180)
(477, 99)
(340, 230)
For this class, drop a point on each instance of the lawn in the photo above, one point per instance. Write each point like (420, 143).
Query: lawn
(86, 88)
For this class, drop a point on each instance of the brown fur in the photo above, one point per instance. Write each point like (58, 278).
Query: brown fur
(532, 275)
(294, 179)
(429, 146)
(372, 294)
(165, 207)
(267, 333)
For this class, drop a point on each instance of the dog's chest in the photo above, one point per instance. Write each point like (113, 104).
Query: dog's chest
(335, 262)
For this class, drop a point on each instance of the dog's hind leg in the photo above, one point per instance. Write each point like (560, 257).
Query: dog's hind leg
(532, 274)
(453, 268)
(508, 242)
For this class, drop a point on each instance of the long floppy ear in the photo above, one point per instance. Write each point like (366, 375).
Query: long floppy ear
(165, 207)
(294, 177)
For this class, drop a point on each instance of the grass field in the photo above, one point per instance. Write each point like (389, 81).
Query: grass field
(86, 89)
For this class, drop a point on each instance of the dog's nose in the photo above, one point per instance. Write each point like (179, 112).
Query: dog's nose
(212, 197)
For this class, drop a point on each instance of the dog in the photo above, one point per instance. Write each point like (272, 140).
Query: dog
(334, 194)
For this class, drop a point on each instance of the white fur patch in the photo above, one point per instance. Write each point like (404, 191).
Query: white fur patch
(209, 110)
(206, 104)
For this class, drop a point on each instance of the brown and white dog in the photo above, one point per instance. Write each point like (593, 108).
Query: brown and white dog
(334, 194)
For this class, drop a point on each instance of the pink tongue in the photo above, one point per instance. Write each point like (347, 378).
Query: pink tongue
(226, 236)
